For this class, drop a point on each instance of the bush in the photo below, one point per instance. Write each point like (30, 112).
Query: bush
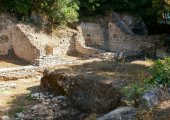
(58, 12)
(132, 94)
(160, 73)
(20, 7)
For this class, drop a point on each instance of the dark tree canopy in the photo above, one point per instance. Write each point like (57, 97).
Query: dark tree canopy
(67, 11)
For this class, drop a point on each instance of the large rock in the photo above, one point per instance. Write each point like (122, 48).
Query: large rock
(122, 113)
(86, 91)
(154, 97)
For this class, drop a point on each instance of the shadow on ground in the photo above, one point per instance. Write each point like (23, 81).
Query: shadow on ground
(12, 61)
(119, 74)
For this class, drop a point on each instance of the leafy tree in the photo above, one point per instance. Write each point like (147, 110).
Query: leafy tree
(58, 11)
(67, 11)
(20, 7)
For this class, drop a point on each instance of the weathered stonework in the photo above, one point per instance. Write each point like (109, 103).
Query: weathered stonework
(6, 21)
(111, 38)
(35, 47)
(120, 32)
(4, 39)
(92, 33)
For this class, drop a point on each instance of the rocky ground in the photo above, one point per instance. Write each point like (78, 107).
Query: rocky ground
(22, 99)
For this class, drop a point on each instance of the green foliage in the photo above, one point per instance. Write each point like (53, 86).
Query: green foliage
(17, 6)
(67, 11)
(156, 10)
(132, 94)
(29, 97)
(160, 73)
(58, 11)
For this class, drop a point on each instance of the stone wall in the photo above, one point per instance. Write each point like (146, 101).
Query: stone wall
(5, 34)
(124, 33)
(119, 41)
(14, 39)
(92, 33)
(23, 47)
(106, 37)
(29, 44)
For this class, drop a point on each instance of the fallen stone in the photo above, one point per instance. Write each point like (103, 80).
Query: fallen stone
(150, 99)
(12, 85)
(121, 113)
(61, 97)
(154, 97)
(86, 92)
(51, 96)
(5, 117)
(20, 115)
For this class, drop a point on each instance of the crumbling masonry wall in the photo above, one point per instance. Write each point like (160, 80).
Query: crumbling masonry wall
(117, 34)
(23, 47)
(5, 35)
(14, 41)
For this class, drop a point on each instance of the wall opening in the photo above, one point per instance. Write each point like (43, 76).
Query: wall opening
(49, 50)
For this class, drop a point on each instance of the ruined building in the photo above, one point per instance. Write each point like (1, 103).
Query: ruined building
(119, 33)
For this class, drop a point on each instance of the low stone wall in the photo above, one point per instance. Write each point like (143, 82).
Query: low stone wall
(7, 74)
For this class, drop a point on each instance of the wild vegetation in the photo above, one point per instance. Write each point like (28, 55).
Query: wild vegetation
(160, 73)
(67, 11)
(159, 79)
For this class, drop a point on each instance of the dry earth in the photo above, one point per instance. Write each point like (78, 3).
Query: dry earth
(15, 96)
(11, 61)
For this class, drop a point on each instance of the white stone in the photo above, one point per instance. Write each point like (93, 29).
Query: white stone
(5, 117)
(121, 113)
(20, 115)
(61, 97)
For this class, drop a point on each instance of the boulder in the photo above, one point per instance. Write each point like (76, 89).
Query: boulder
(151, 98)
(121, 113)
(86, 91)
(154, 97)
(5, 117)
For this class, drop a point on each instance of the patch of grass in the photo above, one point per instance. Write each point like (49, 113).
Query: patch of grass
(29, 97)
(21, 108)
(92, 116)
(132, 93)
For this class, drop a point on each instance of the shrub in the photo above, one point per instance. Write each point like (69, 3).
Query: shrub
(160, 73)
(58, 11)
(132, 94)
(20, 7)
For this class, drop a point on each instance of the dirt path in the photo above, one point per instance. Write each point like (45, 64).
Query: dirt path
(15, 95)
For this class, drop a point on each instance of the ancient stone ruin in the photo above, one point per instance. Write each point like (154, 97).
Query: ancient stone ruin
(113, 38)
(118, 36)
